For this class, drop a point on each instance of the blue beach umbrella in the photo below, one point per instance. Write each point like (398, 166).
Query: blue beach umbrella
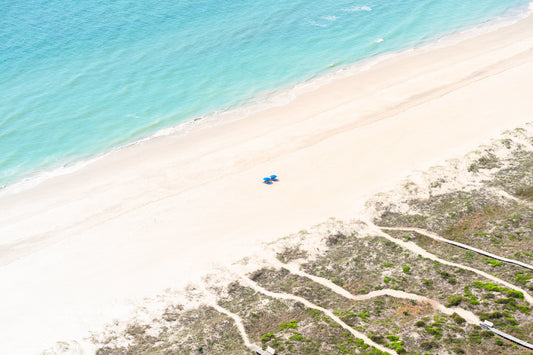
(266, 179)
(273, 177)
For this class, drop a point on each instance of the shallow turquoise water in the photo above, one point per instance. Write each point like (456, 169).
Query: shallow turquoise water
(82, 77)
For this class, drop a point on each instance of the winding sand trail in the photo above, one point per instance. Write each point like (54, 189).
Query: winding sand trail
(469, 316)
(418, 250)
(238, 323)
(294, 268)
(247, 282)
(435, 236)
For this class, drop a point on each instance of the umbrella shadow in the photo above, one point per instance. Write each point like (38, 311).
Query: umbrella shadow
(270, 179)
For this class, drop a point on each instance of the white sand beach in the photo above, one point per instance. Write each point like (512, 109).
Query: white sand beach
(78, 250)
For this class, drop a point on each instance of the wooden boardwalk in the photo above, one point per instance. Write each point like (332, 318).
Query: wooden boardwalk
(489, 326)
(460, 245)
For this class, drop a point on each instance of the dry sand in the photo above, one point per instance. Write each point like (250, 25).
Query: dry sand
(80, 249)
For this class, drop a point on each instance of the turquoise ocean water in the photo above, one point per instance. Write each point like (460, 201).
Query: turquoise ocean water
(79, 78)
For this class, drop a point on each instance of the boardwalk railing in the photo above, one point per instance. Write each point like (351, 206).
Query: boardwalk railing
(460, 245)
(489, 326)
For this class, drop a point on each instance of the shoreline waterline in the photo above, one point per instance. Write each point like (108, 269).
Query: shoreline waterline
(272, 98)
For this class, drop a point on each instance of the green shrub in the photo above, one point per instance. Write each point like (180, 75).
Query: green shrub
(523, 309)
(454, 300)
(522, 278)
(297, 337)
(492, 262)
(487, 334)
(473, 168)
(400, 350)
(458, 350)
(448, 277)
(514, 294)
(458, 319)
(377, 338)
(510, 301)
(467, 291)
(363, 315)
(338, 282)
(511, 321)
(494, 315)
(407, 269)
(473, 300)
(428, 345)
(489, 286)
(420, 323)
(436, 332)
(267, 337)
(474, 337)
(292, 324)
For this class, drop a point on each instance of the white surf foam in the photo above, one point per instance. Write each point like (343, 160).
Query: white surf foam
(357, 8)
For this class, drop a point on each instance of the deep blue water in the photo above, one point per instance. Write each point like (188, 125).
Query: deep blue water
(79, 78)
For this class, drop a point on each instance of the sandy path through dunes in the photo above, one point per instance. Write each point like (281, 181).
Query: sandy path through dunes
(469, 316)
(76, 248)
(238, 323)
(418, 250)
(285, 296)
(436, 237)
